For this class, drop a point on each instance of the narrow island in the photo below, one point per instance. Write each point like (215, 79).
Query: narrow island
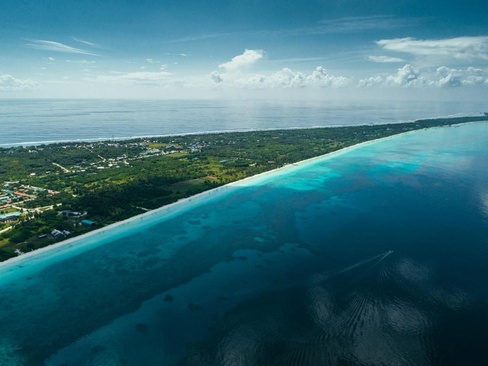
(53, 192)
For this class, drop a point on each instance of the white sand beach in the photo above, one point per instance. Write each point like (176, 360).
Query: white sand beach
(95, 237)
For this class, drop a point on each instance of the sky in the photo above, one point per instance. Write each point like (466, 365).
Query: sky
(152, 49)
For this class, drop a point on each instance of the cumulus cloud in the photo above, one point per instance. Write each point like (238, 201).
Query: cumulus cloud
(467, 48)
(449, 77)
(56, 47)
(252, 82)
(320, 77)
(475, 76)
(287, 78)
(371, 81)
(239, 62)
(9, 83)
(406, 76)
(385, 59)
(443, 77)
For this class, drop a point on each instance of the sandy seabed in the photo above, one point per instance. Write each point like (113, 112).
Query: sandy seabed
(93, 238)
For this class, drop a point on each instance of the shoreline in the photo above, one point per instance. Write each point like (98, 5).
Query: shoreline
(174, 208)
(180, 206)
(10, 145)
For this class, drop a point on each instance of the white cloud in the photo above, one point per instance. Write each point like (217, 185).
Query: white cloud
(443, 77)
(176, 54)
(475, 76)
(86, 42)
(152, 61)
(9, 83)
(51, 59)
(252, 82)
(320, 77)
(449, 77)
(56, 47)
(138, 77)
(288, 79)
(371, 81)
(148, 76)
(457, 77)
(406, 76)
(466, 48)
(216, 78)
(239, 62)
(82, 62)
(385, 59)
(285, 78)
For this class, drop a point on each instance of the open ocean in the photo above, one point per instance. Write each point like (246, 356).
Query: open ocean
(44, 121)
(372, 256)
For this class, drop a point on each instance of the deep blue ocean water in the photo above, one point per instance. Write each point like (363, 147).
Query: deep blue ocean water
(42, 121)
(373, 256)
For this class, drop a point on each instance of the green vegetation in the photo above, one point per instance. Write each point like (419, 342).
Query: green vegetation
(53, 188)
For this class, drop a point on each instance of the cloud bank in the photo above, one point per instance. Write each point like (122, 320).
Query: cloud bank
(234, 73)
(459, 77)
(283, 79)
(443, 77)
(9, 83)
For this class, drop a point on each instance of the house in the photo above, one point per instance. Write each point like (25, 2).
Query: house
(56, 233)
(71, 213)
(10, 216)
(87, 223)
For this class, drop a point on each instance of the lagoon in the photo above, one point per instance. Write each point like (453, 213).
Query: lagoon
(375, 255)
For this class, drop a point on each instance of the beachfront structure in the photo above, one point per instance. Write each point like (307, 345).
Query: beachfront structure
(10, 216)
(56, 233)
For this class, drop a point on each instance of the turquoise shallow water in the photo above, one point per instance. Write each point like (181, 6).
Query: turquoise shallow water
(373, 256)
